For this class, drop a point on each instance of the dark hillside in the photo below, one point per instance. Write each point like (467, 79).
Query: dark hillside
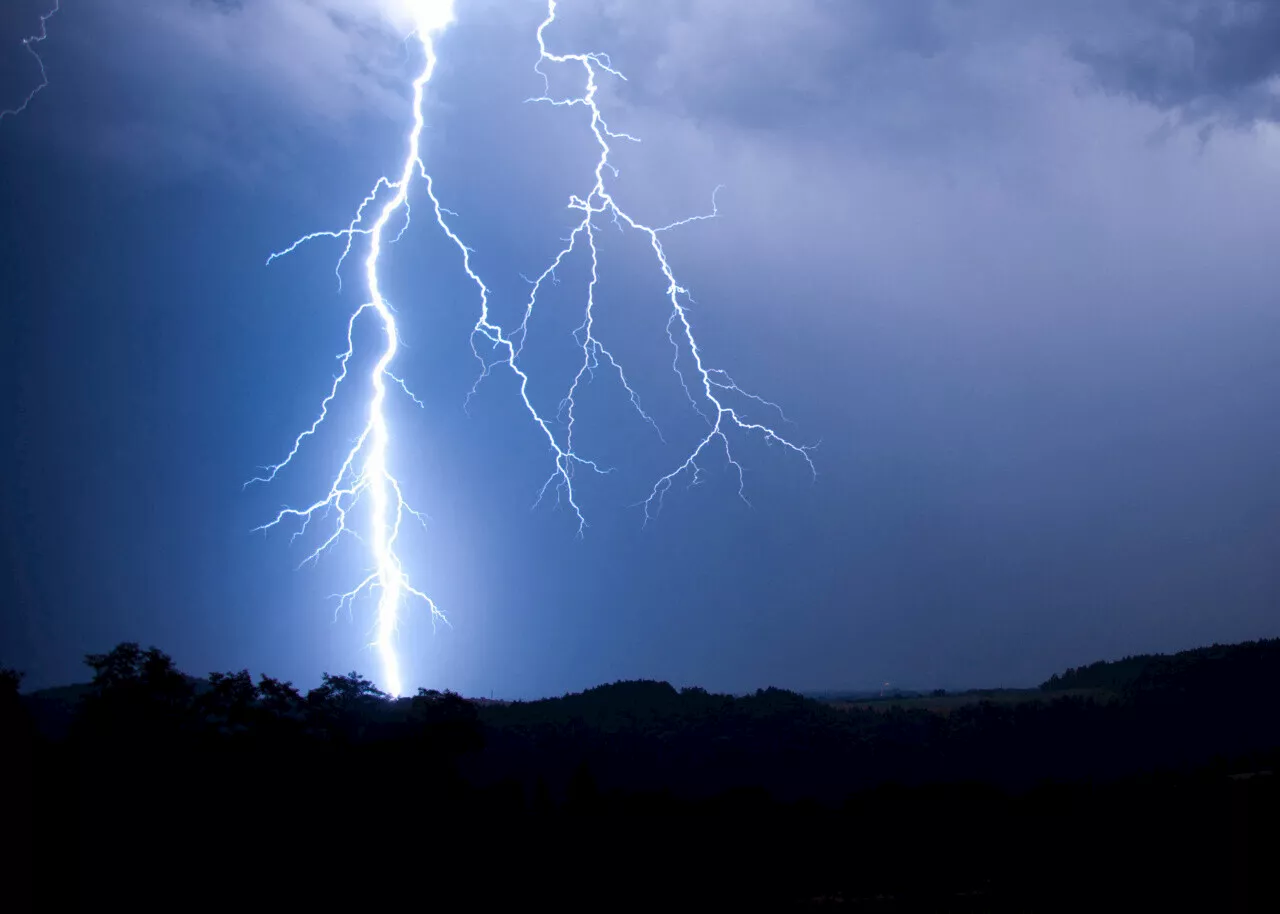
(151, 783)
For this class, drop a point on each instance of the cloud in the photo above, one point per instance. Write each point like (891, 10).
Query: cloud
(1208, 60)
(327, 59)
(182, 87)
(884, 131)
(968, 185)
(894, 67)
(883, 79)
(905, 73)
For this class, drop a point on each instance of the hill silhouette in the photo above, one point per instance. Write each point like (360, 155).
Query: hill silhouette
(1149, 775)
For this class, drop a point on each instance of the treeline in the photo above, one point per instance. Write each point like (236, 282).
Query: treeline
(1145, 671)
(641, 791)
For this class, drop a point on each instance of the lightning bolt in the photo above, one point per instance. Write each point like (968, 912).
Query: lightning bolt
(363, 477)
(31, 43)
(718, 398)
(364, 472)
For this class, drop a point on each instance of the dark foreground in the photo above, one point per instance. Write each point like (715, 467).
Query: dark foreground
(156, 791)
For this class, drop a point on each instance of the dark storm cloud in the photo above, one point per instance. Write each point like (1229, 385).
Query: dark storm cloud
(909, 72)
(891, 79)
(1207, 60)
(900, 71)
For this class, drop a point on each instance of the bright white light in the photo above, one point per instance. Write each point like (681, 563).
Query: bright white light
(365, 472)
(722, 404)
(429, 17)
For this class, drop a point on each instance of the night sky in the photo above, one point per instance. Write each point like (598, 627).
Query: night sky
(1012, 267)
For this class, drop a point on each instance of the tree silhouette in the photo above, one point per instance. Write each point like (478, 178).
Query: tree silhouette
(10, 682)
(348, 692)
(796, 794)
(136, 694)
(231, 702)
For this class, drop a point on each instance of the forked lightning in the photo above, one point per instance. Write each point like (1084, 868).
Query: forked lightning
(714, 387)
(364, 498)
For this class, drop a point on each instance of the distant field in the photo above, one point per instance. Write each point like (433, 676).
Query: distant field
(945, 704)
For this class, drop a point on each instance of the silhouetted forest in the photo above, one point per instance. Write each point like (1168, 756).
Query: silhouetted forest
(1154, 671)
(170, 791)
